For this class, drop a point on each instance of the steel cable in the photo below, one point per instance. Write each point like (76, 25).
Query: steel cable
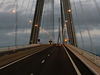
(78, 24)
(87, 26)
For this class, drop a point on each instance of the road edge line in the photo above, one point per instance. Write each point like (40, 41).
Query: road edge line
(75, 67)
(89, 67)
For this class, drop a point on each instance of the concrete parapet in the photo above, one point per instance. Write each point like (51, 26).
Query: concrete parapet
(91, 60)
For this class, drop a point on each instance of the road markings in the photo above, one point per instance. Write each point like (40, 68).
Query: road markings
(31, 74)
(20, 59)
(43, 61)
(48, 55)
(77, 70)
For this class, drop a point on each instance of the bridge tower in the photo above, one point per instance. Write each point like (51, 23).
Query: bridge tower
(66, 16)
(36, 21)
(59, 34)
(66, 7)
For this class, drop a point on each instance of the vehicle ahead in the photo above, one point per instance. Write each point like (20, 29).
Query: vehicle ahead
(58, 45)
(50, 41)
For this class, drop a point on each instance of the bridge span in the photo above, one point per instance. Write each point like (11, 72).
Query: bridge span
(46, 60)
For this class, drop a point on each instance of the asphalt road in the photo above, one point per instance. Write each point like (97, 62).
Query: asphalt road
(52, 61)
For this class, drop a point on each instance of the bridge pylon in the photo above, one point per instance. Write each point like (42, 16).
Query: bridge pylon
(66, 7)
(59, 34)
(36, 21)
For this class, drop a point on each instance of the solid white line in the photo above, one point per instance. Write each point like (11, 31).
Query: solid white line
(19, 59)
(75, 67)
(91, 69)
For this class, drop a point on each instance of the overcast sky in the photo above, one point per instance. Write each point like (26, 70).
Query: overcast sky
(8, 19)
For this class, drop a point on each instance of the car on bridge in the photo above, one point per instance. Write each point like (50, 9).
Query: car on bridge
(50, 41)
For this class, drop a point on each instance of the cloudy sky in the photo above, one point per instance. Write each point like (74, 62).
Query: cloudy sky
(26, 10)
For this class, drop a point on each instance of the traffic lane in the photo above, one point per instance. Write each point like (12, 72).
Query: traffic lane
(12, 57)
(28, 65)
(81, 66)
(57, 64)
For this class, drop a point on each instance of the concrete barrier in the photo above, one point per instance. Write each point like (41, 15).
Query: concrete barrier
(17, 47)
(93, 58)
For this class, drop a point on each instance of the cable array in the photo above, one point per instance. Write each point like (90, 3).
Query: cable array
(47, 22)
(78, 24)
(2, 3)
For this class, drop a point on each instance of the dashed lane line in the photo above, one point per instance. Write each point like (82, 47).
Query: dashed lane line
(48, 55)
(20, 59)
(43, 61)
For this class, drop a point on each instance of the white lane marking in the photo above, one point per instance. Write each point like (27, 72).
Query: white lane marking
(48, 55)
(19, 59)
(77, 70)
(91, 69)
(31, 74)
(43, 61)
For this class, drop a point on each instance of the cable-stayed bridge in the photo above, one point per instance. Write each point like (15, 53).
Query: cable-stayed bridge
(49, 37)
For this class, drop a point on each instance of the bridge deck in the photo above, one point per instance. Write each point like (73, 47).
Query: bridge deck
(51, 61)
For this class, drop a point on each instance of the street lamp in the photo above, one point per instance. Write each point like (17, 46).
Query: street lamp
(30, 21)
(36, 25)
(69, 10)
(13, 11)
(65, 25)
(42, 29)
(66, 21)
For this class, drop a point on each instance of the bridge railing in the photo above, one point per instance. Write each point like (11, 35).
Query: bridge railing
(93, 58)
(17, 47)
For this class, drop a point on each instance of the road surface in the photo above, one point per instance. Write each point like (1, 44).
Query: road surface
(51, 61)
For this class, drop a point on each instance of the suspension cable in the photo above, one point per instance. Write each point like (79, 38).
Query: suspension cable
(19, 13)
(30, 20)
(8, 19)
(16, 23)
(52, 4)
(22, 6)
(24, 17)
(43, 17)
(78, 24)
(92, 14)
(87, 26)
(2, 3)
(97, 7)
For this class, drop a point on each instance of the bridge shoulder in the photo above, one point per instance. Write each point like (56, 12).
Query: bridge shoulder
(90, 60)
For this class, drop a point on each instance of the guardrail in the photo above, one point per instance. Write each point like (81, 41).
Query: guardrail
(93, 58)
